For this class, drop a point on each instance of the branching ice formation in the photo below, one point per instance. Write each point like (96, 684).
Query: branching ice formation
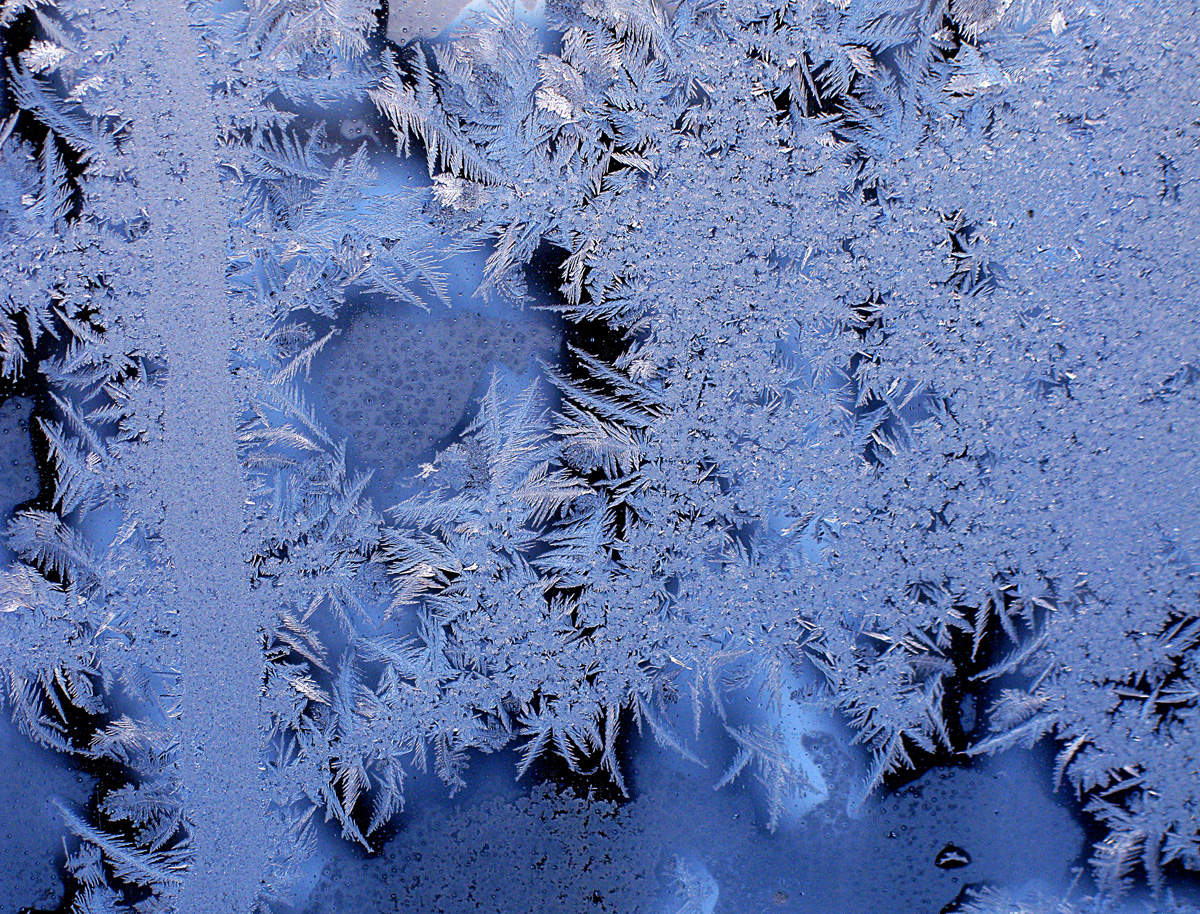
(903, 390)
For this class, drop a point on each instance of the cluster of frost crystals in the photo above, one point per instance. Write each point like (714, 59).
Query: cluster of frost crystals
(96, 657)
(894, 393)
(906, 383)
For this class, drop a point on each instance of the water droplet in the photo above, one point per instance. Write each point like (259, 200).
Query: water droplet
(951, 857)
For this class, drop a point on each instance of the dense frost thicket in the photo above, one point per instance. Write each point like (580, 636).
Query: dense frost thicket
(880, 389)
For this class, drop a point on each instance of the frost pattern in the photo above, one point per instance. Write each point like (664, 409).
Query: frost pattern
(902, 390)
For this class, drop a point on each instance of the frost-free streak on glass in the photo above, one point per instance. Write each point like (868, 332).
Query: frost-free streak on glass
(410, 19)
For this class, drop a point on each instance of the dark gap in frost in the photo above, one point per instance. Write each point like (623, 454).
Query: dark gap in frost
(16, 37)
(378, 38)
(33, 384)
(544, 273)
(591, 782)
(595, 337)
(959, 688)
(957, 36)
(108, 775)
